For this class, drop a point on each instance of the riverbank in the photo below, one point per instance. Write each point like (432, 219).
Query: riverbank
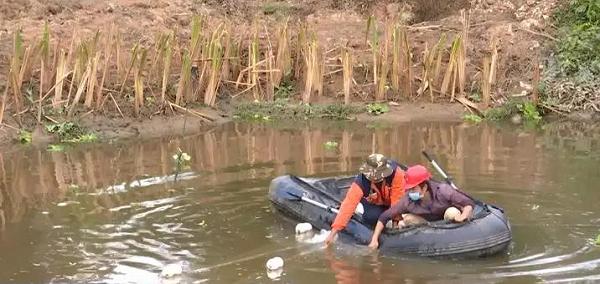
(178, 59)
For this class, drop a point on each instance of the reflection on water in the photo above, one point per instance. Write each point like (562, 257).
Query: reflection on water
(114, 213)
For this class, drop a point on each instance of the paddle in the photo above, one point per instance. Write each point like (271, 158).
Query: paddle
(449, 180)
(440, 170)
(296, 194)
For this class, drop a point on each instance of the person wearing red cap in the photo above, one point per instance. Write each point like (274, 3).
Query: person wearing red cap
(425, 200)
(378, 186)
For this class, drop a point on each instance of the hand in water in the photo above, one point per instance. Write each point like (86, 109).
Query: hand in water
(374, 245)
(330, 238)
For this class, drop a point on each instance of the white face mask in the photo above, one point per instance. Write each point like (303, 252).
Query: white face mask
(414, 195)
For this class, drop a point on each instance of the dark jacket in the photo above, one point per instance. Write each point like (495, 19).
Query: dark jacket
(443, 196)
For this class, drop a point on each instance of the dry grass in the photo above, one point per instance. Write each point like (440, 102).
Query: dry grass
(89, 69)
(347, 72)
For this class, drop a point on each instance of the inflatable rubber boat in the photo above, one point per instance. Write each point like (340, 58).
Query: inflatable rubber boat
(316, 201)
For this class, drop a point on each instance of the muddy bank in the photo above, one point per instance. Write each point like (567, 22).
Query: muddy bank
(114, 128)
(406, 112)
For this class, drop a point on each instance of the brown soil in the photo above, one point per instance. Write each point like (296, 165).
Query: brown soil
(517, 24)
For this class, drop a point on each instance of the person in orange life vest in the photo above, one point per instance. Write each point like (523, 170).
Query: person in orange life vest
(425, 200)
(377, 187)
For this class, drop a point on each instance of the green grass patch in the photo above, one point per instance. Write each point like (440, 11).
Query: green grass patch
(56, 148)
(528, 110)
(472, 118)
(377, 108)
(24, 137)
(331, 145)
(282, 109)
(69, 132)
(277, 8)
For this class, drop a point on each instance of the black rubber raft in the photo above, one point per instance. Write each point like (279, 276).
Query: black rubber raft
(487, 233)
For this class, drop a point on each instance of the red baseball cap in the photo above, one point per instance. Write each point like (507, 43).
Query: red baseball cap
(415, 175)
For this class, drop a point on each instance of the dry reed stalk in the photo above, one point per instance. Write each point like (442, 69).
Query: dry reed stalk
(61, 71)
(168, 55)
(347, 72)
(196, 38)
(396, 54)
(489, 72)
(370, 24)
(72, 47)
(431, 64)
(383, 63)
(19, 66)
(92, 80)
(452, 67)
(309, 74)
(159, 52)
(119, 62)
(134, 56)
(283, 58)
(185, 76)
(313, 70)
(320, 66)
(270, 88)
(78, 68)
(299, 52)
(138, 79)
(236, 62)
(438, 63)
(375, 52)
(106, 65)
(462, 55)
(227, 54)
(80, 89)
(254, 58)
(494, 63)
(405, 62)
(216, 56)
(485, 82)
(3, 106)
(44, 53)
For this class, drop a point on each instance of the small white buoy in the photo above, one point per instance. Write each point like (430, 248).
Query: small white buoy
(274, 274)
(275, 263)
(171, 270)
(360, 209)
(303, 228)
(451, 214)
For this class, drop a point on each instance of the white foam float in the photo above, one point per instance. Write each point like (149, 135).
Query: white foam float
(274, 263)
(274, 274)
(171, 270)
(303, 228)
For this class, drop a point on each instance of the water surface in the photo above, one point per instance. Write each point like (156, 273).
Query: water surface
(115, 213)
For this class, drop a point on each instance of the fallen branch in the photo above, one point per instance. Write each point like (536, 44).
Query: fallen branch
(538, 33)
(469, 104)
(203, 116)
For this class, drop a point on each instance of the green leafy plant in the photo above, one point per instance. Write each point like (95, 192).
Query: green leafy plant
(69, 132)
(331, 145)
(472, 118)
(24, 137)
(598, 240)
(181, 160)
(529, 111)
(285, 90)
(377, 108)
(56, 148)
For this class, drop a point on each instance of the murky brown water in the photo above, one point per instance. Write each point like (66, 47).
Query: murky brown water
(112, 213)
